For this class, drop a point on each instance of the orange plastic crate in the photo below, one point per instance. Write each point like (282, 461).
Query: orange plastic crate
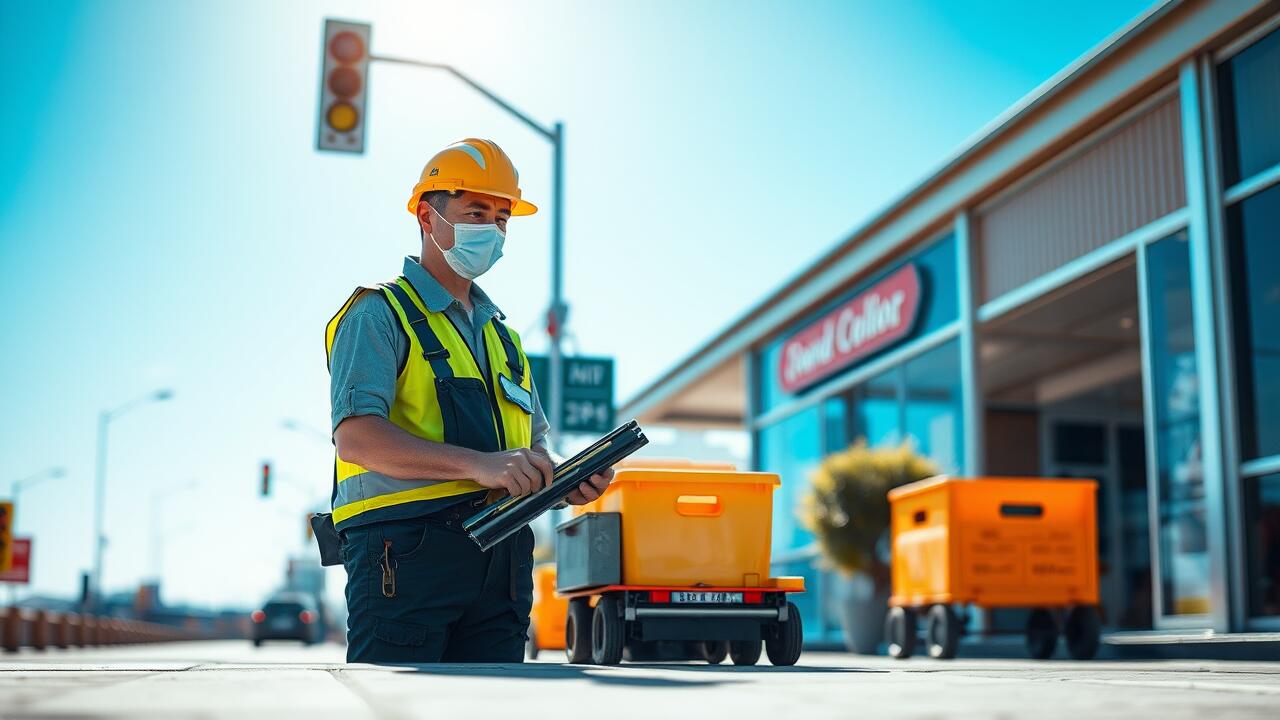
(687, 526)
(995, 542)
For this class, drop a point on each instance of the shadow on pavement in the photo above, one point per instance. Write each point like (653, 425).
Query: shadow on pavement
(543, 671)
(617, 675)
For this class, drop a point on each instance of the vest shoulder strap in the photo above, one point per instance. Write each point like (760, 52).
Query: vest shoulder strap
(514, 362)
(433, 351)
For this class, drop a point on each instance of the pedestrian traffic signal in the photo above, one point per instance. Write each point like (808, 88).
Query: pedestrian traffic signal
(344, 79)
(266, 479)
(6, 536)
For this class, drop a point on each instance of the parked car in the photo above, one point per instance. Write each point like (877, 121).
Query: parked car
(288, 616)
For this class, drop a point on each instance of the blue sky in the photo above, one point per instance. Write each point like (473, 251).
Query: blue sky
(165, 221)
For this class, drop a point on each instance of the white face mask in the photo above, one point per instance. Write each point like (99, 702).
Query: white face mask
(475, 247)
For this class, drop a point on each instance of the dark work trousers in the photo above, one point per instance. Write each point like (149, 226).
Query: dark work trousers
(450, 601)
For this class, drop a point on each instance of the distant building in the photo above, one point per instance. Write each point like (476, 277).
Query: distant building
(1090, 288)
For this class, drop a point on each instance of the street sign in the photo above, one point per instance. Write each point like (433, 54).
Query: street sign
(6, 535)
(586, 391)
(20, 569)
(344, 80)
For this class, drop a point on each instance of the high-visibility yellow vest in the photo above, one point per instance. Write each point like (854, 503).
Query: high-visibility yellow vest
(441, 396)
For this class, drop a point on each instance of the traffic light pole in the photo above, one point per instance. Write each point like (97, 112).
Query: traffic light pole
(558, 313)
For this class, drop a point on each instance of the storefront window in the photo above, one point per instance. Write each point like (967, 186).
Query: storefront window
(1249, 92)
(933, 408)
(938, 306)
(917, 401)
(1253, 227)
(1184, 557)
(877, 405)
(791, 448)
(1262, 502)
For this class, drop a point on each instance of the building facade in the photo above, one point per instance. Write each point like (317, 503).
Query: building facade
(1089, 289)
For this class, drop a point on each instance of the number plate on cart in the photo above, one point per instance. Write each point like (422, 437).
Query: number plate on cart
(685, 596)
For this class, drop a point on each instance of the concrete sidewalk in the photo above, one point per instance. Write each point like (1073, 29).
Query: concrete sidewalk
(233, 680)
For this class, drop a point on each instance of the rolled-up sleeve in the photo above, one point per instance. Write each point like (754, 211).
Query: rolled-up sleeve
(365, 361)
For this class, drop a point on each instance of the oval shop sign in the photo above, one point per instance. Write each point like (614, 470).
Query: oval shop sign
(872, 320)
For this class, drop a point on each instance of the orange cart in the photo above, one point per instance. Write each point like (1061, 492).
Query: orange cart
(995, 543)
(677, 553)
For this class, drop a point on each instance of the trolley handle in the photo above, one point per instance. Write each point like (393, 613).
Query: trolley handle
(1027, 510)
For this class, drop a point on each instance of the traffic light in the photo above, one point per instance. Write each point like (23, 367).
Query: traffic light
(6, 536)
(266, 479)
(344, 79)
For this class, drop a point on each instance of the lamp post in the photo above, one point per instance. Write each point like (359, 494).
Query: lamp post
(100, 482)
(17, 486)
(558, 312)
(157, 537)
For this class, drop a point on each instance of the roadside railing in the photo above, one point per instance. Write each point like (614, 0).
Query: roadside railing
(41, 629)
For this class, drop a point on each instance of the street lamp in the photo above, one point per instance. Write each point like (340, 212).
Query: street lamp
(17, 486)
(100, 481)
(157, 498)
(558, 313)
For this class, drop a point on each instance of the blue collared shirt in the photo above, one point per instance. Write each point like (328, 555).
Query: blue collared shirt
(370, 346)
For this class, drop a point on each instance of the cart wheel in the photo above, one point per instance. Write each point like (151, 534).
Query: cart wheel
(715, 652)
(1083, 632)
(1042, 634)
(784, 648)
(607, 627)
(900, 632)
(745, 652)
(577, 631)
(943, 632)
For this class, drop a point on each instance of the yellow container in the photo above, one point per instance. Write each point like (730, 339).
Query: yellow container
(995, 542)
(547, 618)
(688, 526)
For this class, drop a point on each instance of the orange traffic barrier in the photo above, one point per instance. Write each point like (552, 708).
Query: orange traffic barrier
(39, 630)
(12, 631)
(62, 631)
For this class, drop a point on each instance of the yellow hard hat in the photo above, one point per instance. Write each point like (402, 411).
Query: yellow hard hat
(476, 165)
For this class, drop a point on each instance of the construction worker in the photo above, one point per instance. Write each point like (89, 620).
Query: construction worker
(434, 411)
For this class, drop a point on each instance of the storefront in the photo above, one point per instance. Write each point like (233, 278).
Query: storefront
(1092, 290)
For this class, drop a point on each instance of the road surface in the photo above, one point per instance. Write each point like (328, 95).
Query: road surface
(234, 680)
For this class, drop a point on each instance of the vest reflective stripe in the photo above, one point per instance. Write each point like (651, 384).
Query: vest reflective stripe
(362, 495)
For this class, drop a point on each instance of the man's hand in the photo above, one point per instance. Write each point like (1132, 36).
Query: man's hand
(520, 472)
(592, 489)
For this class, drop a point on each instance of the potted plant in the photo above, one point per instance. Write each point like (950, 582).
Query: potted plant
(846, 508)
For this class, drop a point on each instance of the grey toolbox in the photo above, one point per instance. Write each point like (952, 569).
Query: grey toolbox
(589, 551)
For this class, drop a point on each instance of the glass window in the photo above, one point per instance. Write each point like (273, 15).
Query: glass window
(1253, 227)
(1262, 503)
(1184, 557)
(1249, 104)
(793, 449)
(933, 409)
(939, 305)
(835, 421)
(877, 409)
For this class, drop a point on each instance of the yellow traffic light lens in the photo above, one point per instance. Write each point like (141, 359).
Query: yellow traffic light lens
(342, 116)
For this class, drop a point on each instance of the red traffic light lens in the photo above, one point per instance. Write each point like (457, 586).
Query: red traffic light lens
(346, 47)
(344, 82)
